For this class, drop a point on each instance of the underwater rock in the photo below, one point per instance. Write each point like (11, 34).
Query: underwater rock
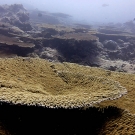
(130, 26)
(114, 33)
(45, 18)
(16, 15)
(120, 41)
(14, 41)
(73, 43)
(51, 54)
(54, 29)
(40, 15)
(113, 68)
(74, 47)
(23, 17)
(110, 44)
(49, 32)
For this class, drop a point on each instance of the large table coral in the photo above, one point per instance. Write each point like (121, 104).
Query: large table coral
(116, 125)
(125, 79)
(38, 82)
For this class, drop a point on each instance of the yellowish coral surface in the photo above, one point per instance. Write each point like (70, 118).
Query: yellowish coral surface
(126, 80)
(42, 83)
(122, 125)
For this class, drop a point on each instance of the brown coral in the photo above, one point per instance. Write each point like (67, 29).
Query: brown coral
(125, 79)
(37, 82)
(122, 125)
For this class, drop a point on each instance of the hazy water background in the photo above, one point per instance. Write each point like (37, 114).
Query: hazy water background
(89, 11)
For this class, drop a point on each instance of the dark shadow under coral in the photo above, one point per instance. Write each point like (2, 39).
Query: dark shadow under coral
(24, 120)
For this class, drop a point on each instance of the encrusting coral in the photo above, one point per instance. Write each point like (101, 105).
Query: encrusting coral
(37, 82)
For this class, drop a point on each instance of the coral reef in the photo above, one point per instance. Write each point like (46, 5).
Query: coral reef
(125, 79)
(22, 82)
(19, 75)
(78, 43)
(5, 40)
(15, 15)
(124, 124)
(31, 89)
(13, 41)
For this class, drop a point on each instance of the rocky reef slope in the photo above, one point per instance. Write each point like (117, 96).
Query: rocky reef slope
(110, 47)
